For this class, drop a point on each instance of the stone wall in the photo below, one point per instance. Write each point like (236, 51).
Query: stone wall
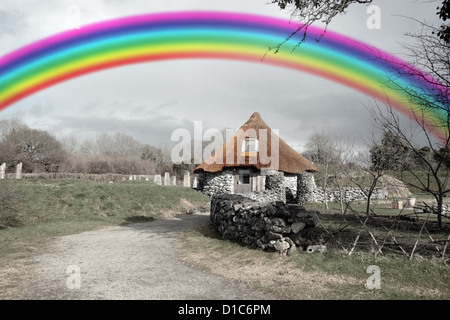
(348, 194)
(290, 186)
(216, 183)
(265, 196)
(273, 189)
(307, 191)
(293, 188)
(305, 187)
(273, 226)
(274, 186)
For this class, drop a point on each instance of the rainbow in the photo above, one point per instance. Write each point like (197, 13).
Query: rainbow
(217, 35)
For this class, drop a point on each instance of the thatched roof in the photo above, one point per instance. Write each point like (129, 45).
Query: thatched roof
(231, 155)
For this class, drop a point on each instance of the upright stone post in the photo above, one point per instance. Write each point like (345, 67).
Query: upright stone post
(195, 183)
(275, 182)
(3, 171)
(187, 179)
(19, 171)
(305, 187)
(157, 179)
(173, 181)
(167, 179)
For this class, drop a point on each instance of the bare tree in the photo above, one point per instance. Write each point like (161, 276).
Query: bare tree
(428, 72)
(69, 144)
(366, 176)
(308, 12)
(85, 148)
(36, 149)
(430, 94)
(165, 161)
(113, 153)
(116, 145)
(8, 126)
(430, 172)
(341, 169)
(321, 150)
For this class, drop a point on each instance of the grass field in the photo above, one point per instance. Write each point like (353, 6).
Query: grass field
(329, 275)
(417, 272)
(411, 180)
(50, 208)
(55, 200)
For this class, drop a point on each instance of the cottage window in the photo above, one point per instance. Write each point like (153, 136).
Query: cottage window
(244, 176)
(250, 145)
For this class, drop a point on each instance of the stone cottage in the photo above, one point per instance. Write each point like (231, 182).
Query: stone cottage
(251, 160)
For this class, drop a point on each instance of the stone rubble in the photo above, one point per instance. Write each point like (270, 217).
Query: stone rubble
(269, 225)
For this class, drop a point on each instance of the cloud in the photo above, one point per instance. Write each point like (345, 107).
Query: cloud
(153, 130)
(149, 101)
(12, 23)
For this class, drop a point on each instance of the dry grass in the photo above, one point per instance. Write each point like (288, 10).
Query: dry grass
(331, 275)
(271, 273)
(51, 208)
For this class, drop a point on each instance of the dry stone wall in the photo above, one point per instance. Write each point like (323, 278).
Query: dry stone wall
(293, 188)
(216, 183)
(305, 187)
(265, 196)
(290, 186)
(274, 187)
(348, 194)
(273, 226)
(307, 191)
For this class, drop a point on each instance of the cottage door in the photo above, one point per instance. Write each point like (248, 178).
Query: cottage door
(243, 181)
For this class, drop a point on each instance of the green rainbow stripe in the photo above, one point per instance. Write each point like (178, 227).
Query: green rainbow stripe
(217, 35)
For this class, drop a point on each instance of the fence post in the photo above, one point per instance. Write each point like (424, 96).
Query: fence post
(19, 171)
(187, 179)
(2, 171)
(157, 179)
(167, 179)
(195, 183)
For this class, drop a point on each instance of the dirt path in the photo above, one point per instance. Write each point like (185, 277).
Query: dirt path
(137, 261)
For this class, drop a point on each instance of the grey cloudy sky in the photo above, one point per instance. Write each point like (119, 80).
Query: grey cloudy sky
(149, 101)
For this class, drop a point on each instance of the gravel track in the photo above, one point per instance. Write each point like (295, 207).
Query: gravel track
(137, 261)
